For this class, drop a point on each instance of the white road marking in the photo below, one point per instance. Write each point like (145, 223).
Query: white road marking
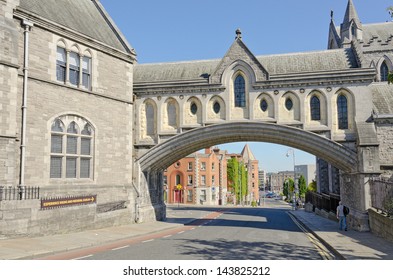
(119, 248)
(147, 240)
(80, 258)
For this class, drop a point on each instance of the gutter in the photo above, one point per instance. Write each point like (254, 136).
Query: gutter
(27, 27)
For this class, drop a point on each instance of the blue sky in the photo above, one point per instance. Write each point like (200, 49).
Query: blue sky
(178, 30)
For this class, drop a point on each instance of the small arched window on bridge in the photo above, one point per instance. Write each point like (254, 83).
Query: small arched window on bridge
(315, 108)
(342, 112)
(289, 104)
(193, 108)
(264, 105)
(216, 107)
(384, 71)
(240, 91)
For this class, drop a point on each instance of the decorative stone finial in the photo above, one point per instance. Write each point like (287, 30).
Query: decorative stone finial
(238, 34)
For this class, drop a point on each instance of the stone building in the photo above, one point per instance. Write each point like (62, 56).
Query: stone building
(373, 46)
(202, 177)
(66, 118)
(82, 130)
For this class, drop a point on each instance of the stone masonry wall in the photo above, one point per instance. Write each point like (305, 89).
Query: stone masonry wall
(381, 225)
(8, 78)
(384, 134)
(26, 218)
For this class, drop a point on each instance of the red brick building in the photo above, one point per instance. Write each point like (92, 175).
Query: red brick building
(200, 178)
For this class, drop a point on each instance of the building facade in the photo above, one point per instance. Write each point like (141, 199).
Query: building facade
(80, 119)
(198, 179)
(308, 171)
(66, 117)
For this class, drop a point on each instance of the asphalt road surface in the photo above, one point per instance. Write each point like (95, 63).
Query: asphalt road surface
(238, 233)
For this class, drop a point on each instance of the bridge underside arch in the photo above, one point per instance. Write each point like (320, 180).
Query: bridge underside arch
(164, 154)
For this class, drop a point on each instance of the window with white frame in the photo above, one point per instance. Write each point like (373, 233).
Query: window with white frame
(86, 72)
(61, 64)
(71, 149)
(74, 68)
(189, 181)
(189, 195)
(203, 195)
(189, 166)
(203, 180)
(203, 165)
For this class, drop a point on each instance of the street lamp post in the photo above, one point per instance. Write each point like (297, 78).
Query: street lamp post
(292, 151)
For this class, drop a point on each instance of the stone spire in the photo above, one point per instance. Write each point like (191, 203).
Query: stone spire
(334, 40)
(247, 154)
(351, 28)
(351, 15)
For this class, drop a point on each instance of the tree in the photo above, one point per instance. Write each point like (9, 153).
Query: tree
(302, 186)
(390, 78)
(237, 179)
(288, 188)
(312, 187)
(233, 176)
(243, 180)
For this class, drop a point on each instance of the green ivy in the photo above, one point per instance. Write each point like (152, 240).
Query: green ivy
(390, 78)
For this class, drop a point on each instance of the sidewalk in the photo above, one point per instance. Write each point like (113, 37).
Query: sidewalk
(349, 245)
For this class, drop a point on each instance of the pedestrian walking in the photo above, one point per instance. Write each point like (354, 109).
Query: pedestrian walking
(341, 216)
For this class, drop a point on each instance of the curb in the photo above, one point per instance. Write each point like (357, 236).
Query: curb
(336, 254)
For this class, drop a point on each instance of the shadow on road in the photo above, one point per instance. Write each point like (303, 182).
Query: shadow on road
(242, 250)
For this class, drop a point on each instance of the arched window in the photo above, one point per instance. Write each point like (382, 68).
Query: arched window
(178, 180)
(384, 72)
(289, 104)
(264, 105)
(61, 64)
(216, 107)
(71, 149)
(150, 119)
(342, 112)
(172, 114)
(74, 68)
(86, 72)
(193, 108)
(315, 108)
(240, 91)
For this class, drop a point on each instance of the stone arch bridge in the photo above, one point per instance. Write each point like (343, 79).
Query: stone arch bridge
(321, 102)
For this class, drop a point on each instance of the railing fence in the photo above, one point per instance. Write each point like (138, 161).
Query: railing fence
(382, 195)
(19, 193)
(327, 202)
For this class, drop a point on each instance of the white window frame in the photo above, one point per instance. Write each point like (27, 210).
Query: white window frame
(67, 156)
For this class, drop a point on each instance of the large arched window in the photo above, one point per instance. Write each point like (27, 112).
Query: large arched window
(384, 72)
(315, 108)
(342, 112)
(240, 91)
(71, 148)
(150, 119)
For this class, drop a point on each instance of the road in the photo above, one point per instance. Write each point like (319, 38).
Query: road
(238, 233)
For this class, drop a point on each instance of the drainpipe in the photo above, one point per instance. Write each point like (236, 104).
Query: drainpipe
(137, 202)
(27, 25)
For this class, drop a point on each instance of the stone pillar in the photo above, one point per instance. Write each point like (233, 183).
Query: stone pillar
(151, 206)
(355, 187)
